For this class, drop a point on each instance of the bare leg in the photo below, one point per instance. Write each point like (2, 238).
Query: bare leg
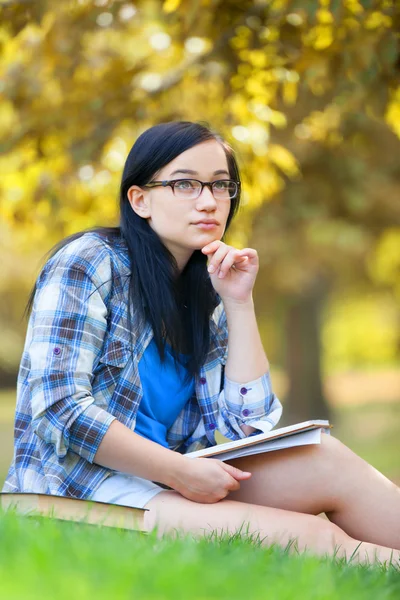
(169, 512)
(326, 478)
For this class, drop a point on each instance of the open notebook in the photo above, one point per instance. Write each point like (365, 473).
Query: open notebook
(300, 434)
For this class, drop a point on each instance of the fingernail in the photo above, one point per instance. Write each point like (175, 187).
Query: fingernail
(211, 269)
(220, 275)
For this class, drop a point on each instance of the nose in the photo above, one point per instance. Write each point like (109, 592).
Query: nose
(206, 200)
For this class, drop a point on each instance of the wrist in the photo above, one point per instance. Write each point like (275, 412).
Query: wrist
(176, 469)
(232, 305)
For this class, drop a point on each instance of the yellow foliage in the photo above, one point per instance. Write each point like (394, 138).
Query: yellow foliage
(377, 19)
(238, 43)
(323, 37)
(314, 36)
(392, 115)
(43, 208)
(321, 123)
(324, 16)
(278, 5)
(53, 92)
(269, 34)
(170, 6)
(384, 265)
(259, 107)
(270, 184)
(245, 69)
(258, 58)
(74, 81)
(8, 118)
(238, 106)
(351, 24)
(48, 22)
(284, 159)
(243, 32)
(255, 86)
(278, 119)
(289, 91)
(354, 6)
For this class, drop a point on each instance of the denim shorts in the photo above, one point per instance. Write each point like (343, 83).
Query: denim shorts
(127, 490)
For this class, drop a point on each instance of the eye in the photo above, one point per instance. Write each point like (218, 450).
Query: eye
(222, 185)
(184, 184)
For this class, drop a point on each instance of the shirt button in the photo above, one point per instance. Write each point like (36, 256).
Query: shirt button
(246, 412)
(212, 426)
(243, 391)
(203, 380)
(57, 351)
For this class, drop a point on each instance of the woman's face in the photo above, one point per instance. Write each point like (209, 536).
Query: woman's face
(178, 221)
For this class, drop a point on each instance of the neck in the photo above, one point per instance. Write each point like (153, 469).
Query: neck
(181, 255)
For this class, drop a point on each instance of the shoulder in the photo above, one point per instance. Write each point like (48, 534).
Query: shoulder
(93, 255)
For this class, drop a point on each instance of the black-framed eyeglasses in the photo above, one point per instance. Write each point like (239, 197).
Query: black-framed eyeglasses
(222, 189)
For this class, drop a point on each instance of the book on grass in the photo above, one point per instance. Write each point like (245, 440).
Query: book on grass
(300, 434)
(72, 509)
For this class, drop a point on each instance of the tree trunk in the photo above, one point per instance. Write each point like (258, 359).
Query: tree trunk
(8, 379)
(305, 399)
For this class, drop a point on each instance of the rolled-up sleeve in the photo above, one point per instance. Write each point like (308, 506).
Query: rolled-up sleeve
(251, 402)
(247, 403)
(66, 333)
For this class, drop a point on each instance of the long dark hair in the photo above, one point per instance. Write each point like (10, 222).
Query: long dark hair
(177, 306)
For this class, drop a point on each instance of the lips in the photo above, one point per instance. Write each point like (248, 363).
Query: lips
(207, 222)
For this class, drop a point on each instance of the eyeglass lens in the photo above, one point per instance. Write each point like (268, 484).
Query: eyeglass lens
(190, 188)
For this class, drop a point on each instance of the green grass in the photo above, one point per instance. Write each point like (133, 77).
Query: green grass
(40, 558)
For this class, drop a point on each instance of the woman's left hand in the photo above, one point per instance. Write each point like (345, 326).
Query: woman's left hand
(232, 272)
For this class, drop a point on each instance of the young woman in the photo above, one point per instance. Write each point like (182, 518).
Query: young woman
(126, 367)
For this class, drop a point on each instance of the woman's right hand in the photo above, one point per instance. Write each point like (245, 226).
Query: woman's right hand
(207, 480)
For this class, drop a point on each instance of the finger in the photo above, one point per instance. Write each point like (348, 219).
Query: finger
(240, 260)
(230, 259)
(234, 485)
(212, 247)
(250, 253)
(217, 258)
(235, 472)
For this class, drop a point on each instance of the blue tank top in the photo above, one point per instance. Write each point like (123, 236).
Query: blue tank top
(164, 393)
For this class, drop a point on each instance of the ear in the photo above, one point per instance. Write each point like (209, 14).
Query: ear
(139, 202)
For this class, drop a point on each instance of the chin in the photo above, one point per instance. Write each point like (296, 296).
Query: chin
(204, 240)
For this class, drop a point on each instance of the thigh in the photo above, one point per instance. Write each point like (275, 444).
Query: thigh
(308, 479)
(170, 512)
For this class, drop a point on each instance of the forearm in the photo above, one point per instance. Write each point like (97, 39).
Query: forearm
(246, 357)
(124, 450)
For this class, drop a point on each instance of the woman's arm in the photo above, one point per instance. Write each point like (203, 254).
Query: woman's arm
(246, 357)
(64, 341)
(200, 479)
(124, 450)
(233, 273)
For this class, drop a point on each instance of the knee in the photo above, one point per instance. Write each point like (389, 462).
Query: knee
(334, 449)
(328, 538)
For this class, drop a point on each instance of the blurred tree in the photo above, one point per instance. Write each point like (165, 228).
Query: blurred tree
(309, 92)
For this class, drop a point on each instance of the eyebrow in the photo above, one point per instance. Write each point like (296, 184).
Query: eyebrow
(189, 172)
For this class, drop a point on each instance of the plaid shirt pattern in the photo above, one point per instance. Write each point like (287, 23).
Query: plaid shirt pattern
(79, 372)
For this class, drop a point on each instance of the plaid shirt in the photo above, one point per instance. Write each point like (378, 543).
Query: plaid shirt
(79, 372)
